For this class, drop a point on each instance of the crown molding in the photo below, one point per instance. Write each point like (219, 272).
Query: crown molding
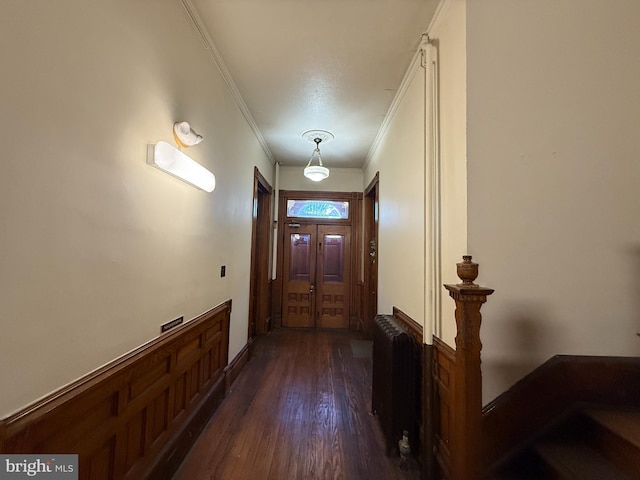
(198, 26)
(402, 90)
(441, 9)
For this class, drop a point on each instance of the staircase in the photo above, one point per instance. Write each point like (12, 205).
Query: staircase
(592, 444)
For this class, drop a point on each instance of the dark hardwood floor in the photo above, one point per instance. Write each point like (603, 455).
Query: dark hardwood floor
(299, 410)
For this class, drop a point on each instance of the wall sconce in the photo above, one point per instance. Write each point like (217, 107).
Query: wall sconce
(184, 135)
(317, 173)
(166, 157)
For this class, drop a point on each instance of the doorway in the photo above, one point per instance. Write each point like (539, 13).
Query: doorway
(319, 260)
(370, 297)
(316, 286)
(260, 288)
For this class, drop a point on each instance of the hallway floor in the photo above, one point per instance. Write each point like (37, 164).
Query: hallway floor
(299, 410)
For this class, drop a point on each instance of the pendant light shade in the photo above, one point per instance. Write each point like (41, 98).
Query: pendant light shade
(316, 173)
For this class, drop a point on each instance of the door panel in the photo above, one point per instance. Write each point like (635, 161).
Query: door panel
(298, 304)
(333, 282)
(316, 276)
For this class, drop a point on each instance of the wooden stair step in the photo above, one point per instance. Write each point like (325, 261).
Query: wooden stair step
(574, 461)
(625, 424)
(616, 435)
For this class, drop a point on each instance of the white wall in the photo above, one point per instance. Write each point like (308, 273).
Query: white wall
(98, 248)
(554, 163)
(448, 33)
(340, 180)
(399, 158)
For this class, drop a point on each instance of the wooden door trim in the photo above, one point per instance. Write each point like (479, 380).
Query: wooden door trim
(259, 283)
(369, 306)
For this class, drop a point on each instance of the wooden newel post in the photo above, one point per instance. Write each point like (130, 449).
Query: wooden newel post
(466, 461)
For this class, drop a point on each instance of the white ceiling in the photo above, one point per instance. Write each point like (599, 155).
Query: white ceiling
(326, 64)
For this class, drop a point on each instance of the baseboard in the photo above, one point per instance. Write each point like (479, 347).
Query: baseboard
(355, 323)
(232, 370)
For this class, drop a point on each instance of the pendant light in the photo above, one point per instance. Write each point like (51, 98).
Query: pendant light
(319, 172)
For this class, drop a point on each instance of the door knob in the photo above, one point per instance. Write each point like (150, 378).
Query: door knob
(312, 288)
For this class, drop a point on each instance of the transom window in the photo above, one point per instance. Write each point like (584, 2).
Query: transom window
(327, 209)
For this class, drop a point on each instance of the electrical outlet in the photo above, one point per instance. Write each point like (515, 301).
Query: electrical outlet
(223, 270)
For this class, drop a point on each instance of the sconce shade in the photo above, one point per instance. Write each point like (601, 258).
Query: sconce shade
(184, 135)
(168, 158)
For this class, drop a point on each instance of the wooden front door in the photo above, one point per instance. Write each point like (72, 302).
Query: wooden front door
(316, 285)
(299, 276)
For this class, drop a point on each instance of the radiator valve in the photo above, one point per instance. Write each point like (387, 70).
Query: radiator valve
(405, 450)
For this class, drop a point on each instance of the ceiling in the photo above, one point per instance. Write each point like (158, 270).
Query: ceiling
(316, 65)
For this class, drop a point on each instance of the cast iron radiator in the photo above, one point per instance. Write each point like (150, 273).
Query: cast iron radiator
(395, 398)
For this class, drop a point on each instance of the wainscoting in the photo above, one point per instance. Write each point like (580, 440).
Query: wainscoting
(136, 417)
(443, 372)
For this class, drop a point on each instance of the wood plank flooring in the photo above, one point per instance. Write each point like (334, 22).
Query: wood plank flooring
(299, 410)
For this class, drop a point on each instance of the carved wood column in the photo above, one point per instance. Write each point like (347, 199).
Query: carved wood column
(466, 462)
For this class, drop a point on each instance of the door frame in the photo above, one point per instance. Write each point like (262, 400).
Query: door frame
(371, 224)
(354, 221)
(261, 238)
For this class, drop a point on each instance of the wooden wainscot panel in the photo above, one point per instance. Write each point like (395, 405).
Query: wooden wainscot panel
(443, 370)
(409, 324)
(133, 418)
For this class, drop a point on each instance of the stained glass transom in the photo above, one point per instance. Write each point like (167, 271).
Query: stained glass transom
(317, 209)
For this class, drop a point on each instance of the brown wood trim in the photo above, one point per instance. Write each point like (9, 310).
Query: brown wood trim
(262, 180)
(122, 417)
(373, 183)
(445, 349)
(370, 245)
(234, 368)
(442, 416)
(172, 456)
(284, 195)
(549, 394)
(260, 275)
(356, 319)
(466, 438)
(312, 195)
(409, 324)
(276, 296)
(428, 417)
(356, 263)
